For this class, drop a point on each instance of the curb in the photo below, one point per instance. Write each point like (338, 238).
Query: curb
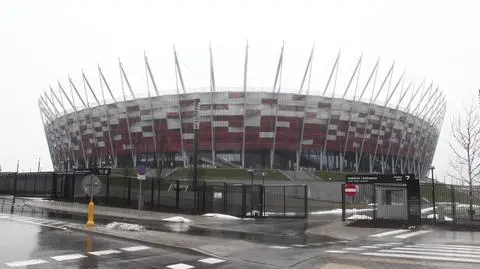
(148, 242)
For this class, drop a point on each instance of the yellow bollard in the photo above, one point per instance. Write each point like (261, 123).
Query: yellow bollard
(91, 209)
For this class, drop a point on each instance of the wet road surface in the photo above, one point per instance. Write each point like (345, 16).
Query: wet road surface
(31, 245)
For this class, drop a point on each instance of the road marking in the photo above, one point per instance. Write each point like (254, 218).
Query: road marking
(336, 251)
(68, 257)
(416, 251)
(279, 247)
(300, 246)
(135, 248)
(408, 235)
(57, 223)
(394, 232)
(25, 263)
(354, 249)
(104, 252)
(180, 266)
(436, 250)
(370, 246)
(448, 246)
(211, 260)
(420, 257)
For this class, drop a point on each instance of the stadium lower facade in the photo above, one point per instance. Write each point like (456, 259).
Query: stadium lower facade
(245, 129)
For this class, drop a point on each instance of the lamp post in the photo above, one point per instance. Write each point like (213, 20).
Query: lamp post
(263, 178)
(433, 196)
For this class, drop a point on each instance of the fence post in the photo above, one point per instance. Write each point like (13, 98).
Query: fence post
(54, 186)
(152, 194)
(14, 193)
(225, 201)
(177, 197)
(262, 193)
(73, 188)
(204, 197)
(108, 190)
(34, 183)
(454, 207)
(305, 197)
(244, 200)
(129, 190)
(158, 192)
(284, 200)
(374, 201)
(343, 201)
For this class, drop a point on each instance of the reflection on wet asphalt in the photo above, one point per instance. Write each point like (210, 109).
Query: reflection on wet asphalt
(267, 231)
(43, 247)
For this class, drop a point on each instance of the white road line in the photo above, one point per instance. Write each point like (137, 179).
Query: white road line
(104, 252)
(429, 253)
(279, 247)
(211, 260)
(180, 266)
(68, 257)
(436, 250)
(392, 243)
(370, 246)
(57, 223)
(394, 232)
(405, 236)
(353, 249)
(25, 263)
(449, 246)
(420, 257)
(135, 248)
(336, 251)
(300, 246)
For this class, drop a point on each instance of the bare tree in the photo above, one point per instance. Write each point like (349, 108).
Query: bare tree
(465, 146)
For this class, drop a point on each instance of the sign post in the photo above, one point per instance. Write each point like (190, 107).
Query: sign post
(141, 177)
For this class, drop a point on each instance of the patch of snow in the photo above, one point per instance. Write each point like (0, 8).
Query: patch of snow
(431, 216)
(178, 227)
(255, 213)
(219, 216)
(177, 219)
(358, 217)
(426, 210)
(448, 218)
(122, 226)
(338, 211)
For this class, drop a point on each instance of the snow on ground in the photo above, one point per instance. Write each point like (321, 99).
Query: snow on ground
(177, 219)
(338, 211)
(447, 218)
(358, 217)
(220, 216)
(122, 226)
(426, 210)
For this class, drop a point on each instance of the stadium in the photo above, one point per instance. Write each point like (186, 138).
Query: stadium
(248, 127)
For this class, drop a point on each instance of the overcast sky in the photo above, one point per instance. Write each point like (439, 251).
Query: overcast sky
(45, 41)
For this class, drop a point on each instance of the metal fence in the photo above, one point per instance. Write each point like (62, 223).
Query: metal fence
(442, 204)
(166, 195)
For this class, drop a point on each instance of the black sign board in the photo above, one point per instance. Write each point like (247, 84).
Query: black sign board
(381, 178)
(94, 171)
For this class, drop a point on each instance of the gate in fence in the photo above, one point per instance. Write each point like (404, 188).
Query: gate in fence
(382, 199)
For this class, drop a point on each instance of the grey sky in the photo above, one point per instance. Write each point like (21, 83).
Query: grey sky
(42, 41)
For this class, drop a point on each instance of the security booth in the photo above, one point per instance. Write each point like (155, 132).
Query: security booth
(382, 200)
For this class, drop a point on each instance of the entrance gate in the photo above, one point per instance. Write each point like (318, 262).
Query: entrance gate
(385, 199)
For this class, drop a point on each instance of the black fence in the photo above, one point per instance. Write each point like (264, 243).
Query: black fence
(442, 204)
(166, 195)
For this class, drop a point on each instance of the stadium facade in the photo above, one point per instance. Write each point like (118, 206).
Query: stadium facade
(246, 128)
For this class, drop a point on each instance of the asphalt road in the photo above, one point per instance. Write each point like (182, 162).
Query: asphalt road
(31, 245)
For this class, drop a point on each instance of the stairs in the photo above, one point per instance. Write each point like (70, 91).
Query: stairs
(299, 175)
